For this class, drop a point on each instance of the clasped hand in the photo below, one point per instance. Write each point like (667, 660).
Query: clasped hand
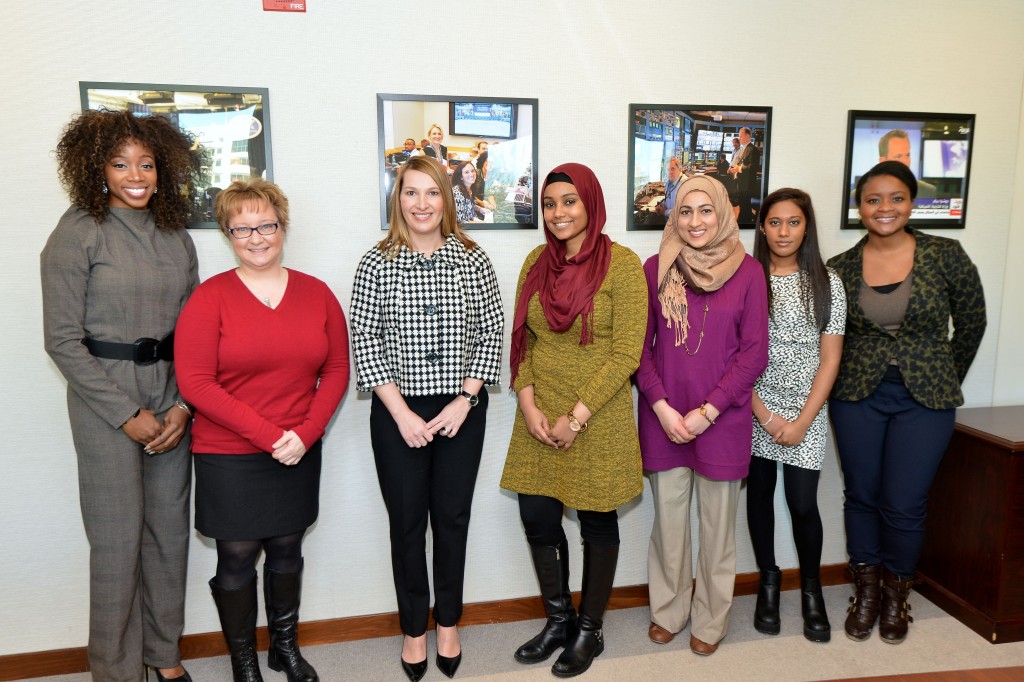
(155, 435)
(417, 432)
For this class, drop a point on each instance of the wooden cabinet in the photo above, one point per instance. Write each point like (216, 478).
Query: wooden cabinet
(973, 560)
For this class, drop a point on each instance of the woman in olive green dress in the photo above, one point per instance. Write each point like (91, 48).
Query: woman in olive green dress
(581, 316)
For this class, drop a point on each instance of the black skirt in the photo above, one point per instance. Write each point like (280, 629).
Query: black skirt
(253, 497)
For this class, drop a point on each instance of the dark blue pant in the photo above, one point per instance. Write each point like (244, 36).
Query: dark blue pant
(434, 481)
(890, 447)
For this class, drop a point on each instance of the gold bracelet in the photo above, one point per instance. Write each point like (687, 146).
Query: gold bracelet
(704, 413)
(574, 423)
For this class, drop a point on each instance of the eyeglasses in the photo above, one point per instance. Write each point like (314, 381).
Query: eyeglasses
(245, 232)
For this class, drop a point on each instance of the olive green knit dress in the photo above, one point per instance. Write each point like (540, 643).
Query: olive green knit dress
(602, 469)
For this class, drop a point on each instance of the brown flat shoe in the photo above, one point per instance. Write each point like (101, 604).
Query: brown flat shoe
(702, 648)
(659, 635)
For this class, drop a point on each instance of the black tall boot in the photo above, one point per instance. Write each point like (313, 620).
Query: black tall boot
(282, 592)
(812, 606)
(237, 609)
(552, 566)
(598, 575)
(766, 609)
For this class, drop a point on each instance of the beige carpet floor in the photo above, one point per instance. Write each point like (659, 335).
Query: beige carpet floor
(937, 642)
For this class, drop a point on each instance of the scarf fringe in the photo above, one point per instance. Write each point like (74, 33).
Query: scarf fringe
(673, 304)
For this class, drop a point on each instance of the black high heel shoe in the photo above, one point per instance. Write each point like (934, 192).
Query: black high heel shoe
(415, 671)
(180, 678)
(449, 665)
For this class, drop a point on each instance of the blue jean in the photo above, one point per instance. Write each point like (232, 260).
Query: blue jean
(890, 447)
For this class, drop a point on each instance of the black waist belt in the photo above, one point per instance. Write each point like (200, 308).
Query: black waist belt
(144, 351)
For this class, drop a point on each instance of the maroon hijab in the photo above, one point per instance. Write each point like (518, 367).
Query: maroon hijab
(566, 287)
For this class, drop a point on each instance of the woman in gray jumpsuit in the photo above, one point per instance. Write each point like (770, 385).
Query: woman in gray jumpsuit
(116, 271)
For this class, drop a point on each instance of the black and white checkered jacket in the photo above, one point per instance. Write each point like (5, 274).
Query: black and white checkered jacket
(426, 324)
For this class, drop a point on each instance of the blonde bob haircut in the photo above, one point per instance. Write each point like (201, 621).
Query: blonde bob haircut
(398, 230)
(246, 195)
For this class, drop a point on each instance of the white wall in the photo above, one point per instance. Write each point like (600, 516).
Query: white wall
(585, 62)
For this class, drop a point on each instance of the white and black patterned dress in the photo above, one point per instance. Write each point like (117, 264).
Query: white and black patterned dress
(794, 353)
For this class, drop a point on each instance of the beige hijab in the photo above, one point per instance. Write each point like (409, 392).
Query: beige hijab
(707, 268)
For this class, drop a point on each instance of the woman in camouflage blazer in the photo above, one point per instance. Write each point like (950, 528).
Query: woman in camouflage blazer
(894, 401)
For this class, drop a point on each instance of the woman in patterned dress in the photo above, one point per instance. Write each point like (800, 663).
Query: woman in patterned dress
(426, 336)
(807, 310)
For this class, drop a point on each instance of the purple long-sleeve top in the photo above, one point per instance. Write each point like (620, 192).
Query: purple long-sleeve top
(732, 355)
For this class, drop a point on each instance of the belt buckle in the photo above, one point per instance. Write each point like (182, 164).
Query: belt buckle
(146, 351)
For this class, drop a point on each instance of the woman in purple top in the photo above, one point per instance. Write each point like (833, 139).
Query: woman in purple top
(707, 342)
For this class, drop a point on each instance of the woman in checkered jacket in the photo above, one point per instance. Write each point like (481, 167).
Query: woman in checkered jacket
(426, 333)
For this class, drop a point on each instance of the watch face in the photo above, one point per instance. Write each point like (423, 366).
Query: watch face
(473, 399)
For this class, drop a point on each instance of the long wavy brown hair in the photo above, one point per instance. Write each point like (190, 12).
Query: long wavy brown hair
(90, 139)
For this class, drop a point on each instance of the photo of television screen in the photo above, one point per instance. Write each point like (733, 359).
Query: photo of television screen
(483, 119)
(709, 140)
(699, 137)
(935, 147)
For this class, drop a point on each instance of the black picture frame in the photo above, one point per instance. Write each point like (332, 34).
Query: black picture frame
(231, 123)
(695, 135)
(937, 147)
(512, 154)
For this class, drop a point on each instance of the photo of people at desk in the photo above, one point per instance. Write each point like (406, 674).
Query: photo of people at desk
(485, 147)
(670, 146)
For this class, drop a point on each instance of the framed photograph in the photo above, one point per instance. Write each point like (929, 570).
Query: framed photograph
(231, 124)
(489, 143)
(671, 142)
(936, 148)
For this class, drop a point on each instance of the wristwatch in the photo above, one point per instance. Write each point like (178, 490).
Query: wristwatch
(473, 399)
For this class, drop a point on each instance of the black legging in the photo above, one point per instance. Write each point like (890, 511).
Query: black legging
(802, 499)
(542, 520)
(236, 559)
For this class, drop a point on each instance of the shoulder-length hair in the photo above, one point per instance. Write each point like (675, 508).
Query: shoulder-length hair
(398, 230)
(815, 289)
(91, 138)
(459, 183)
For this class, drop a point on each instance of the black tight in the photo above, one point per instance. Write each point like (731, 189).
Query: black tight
(542, 520)
(236, 559)
(802, 499)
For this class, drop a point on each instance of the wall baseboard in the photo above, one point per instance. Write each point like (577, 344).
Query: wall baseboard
(201, 645)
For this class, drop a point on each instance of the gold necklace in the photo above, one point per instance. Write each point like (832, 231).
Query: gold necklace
(700, 339)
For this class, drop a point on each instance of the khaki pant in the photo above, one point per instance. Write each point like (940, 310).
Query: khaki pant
(674, 599)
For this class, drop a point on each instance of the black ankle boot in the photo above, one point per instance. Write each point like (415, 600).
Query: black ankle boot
(552, 566)
(282, 592)
(812, 606)
(766, 610)
(598, 575)
(237, 610)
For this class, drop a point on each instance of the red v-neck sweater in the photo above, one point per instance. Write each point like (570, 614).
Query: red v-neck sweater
(252, 371)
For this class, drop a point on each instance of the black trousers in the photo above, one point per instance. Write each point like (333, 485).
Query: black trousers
(542, 521)
(434, 482)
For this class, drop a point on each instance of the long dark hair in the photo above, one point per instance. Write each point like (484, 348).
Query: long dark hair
(459, 184)
(815, 290)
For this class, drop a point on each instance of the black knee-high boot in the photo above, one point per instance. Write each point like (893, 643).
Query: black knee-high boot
(282, 592)
(552, 566)
(237, 609)
(598, 575)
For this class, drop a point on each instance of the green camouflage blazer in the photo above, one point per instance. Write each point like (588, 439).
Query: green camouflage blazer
(946, 285)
